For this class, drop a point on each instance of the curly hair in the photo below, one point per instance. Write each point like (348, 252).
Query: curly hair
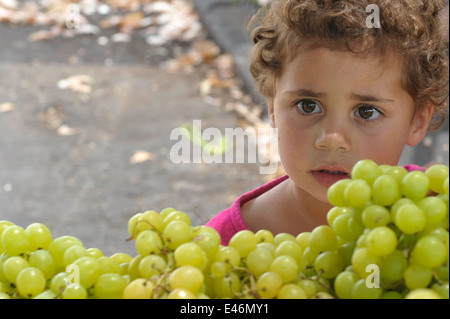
(410, 28)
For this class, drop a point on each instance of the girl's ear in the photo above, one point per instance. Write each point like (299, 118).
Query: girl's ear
(420, 124)
(271, 112)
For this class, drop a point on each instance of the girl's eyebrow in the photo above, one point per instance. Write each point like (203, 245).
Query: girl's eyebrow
(358, 97)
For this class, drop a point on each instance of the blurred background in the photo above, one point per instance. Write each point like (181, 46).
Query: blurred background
(90, 92)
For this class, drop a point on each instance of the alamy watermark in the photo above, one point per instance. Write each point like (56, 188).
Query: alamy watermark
(373, 20)
(234, 145)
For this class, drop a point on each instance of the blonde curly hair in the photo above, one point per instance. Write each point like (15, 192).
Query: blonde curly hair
(410, 28)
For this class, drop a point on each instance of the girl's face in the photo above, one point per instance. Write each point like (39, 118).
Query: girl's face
(333, 109)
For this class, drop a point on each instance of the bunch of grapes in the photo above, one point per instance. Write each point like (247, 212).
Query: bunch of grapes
(386, 237)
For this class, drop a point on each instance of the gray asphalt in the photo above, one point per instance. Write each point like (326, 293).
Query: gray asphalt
(84, 184)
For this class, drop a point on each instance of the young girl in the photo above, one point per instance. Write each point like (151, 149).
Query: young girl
(339, 88)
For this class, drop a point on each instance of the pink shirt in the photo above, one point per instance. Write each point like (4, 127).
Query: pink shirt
(230, 221)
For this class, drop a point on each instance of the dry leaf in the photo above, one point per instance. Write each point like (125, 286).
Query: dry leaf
(141, 156)
(65, 130)
(6, 107)
(80, 83)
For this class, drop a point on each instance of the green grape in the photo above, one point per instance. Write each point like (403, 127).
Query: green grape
(358, 193)
(281, 237)
(429, 251)
(329, 264)
(269, 246)
(264, 236)
(208, 241)
(385, 190)
(361, 259)
(308, 286)
(346, 252)
(354, 227)
(434, 208)
(13, 266)
(89, 270)
(395, 207)
(152, 265)
(391, 295)
(132, 225)
(397, 172)
(94, 252)
(121, 258)
(393, 266)
(423, 293)
(176, 215)
(303, 239)
(310, 255)
(367, 170)
(334, 212)
(166, 211)
(341, 226)
(219, 269)
(437, 174)
(410, 219)
(375, 216)
(110, 286)
(30, 282)
(344, 283)
(176, 233)
(335, 193)
(15, 241)
(244, 241)
(3, 225)
(442, 272)
(227, 286)
(361, 291)
(139, 289)
(39, 236)
(190, 254)
(268, 284)
(74, 292)
(108, 265)
(442, 289)
(289, 248)
(58, 247)
(59, 282)
(149, 220)
(381, 241)
(417, 276)
(46, 294)
(323, 238)
(42, 260)
(286, 267)
(133, 267)
(415, 185)
(181, 293)
(73, 253)
(186, 277)
(259, 261)
(148, 242)
(446, 186)
(291, 291)
(229, 255)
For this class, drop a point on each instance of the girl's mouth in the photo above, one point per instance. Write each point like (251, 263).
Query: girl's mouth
(326, 177)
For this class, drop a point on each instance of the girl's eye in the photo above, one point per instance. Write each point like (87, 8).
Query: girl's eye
(368, 112)
(308, 107)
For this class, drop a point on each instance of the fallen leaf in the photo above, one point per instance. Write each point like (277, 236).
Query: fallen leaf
(6, 107)
(141, 156)
(80, 83)
(65, 130)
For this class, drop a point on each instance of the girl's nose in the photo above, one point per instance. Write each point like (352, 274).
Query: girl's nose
(334, 137)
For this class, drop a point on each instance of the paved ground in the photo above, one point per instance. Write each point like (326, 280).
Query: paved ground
(84, 184)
